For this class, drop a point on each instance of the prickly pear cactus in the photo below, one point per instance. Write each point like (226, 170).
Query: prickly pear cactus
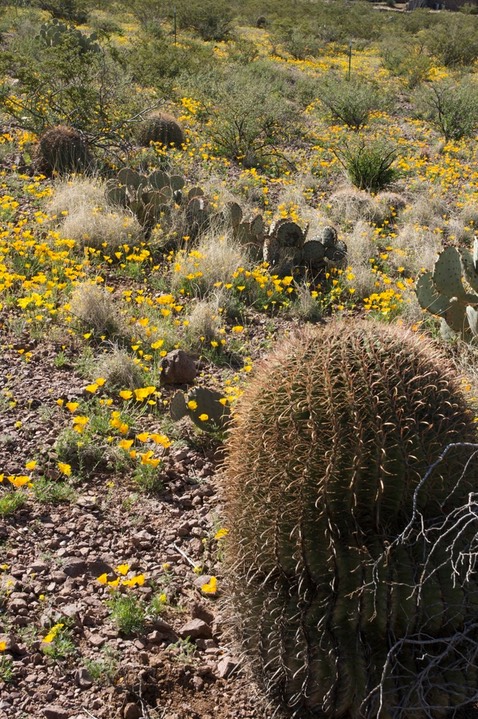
(443, 293)
(150, 197)
(205, 407)
(55, 32)
(327, 448)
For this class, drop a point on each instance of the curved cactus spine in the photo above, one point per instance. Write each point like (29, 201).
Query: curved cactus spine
(330, 441)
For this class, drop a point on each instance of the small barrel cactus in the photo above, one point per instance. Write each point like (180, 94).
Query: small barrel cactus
(160, 127)
(62, 149)
(328, 446)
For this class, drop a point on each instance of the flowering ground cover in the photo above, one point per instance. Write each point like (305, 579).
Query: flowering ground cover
(113, 600)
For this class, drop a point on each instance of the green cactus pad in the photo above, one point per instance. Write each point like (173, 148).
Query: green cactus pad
(313, 252)
(115, 195)
(130, 178)
(159, 179)
(177, 407)
(232, 214)
(289, 234)
(472, 317)
(455, 316)
(195, 192)
(447, 274)
(428, 297)
(469, 269)
(176, 182)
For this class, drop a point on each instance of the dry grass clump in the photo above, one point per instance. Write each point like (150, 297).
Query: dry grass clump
(95, 308)
(71, 194)
(212, 262)
(427, 209)
(204, 323)
(121, 371)
(348, 205)
(361, 248)
(415, 248)
(387, 205)
(98, 228)
(469, 214)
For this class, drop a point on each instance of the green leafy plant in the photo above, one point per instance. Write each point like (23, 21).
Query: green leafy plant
(128, 613)
(451, 107)
(10, 502)
(7, 673)
(59, 643)
(210, 18)
(352, 101)
(369, 165)
(330, 441)
(52, 492)
(104, 669)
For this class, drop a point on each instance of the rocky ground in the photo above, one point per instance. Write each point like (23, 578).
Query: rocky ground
(178, 661)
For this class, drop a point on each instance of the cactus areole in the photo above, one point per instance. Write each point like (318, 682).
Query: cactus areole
(329, 443)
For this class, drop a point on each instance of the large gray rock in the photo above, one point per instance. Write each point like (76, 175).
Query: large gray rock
(178, 368)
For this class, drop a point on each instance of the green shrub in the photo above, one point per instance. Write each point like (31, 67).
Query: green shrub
(350, 102)
(408, 61)
(451, 107)
(454, 41)
(331, 439)
(211, 19)
(248, 117)
(74, 11)
(369, 165)
(128, 613)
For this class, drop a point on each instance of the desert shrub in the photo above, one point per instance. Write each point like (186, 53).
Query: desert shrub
(160, 64)
(408, 61)
(96, 310)
(454, 41)
(451, 107)
(349, 205)
(214, 260)
(74, 11)
(160, 127)
(387, 206)
(204, 324)
(369, 165)
(211, 19)
(350, 102)
(65, 84)
(248, 118)
(62, 150)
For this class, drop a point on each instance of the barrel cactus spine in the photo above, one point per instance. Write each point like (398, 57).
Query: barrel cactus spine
(329, 443)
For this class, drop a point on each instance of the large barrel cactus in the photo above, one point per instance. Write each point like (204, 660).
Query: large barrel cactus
(330, 441)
